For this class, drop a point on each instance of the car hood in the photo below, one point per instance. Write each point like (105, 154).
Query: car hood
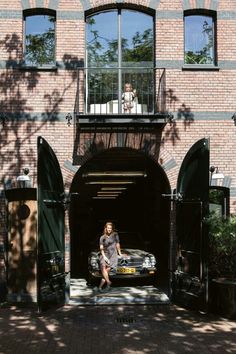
(134, 252)
(129, 252)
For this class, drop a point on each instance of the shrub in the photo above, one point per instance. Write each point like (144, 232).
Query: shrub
(222, 246)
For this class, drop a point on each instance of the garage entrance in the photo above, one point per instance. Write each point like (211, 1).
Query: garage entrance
(125, 186)
(135, 205)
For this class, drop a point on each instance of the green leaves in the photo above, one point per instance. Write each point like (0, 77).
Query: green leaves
(204, 55)
(222, 246)
(40, 47)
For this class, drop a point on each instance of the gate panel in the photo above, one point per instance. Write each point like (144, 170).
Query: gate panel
(51, 250)
(190, 283)
(21, 245)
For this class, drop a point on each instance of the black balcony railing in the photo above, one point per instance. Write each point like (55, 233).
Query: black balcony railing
(100, 92)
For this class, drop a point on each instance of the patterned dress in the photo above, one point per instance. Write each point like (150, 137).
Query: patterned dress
(128, 98)
(109, 246)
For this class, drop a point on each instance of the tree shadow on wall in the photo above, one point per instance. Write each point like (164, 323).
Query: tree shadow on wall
(19, 126)
(88, 145)
(20, 91)
(184, 114)
(22, 255)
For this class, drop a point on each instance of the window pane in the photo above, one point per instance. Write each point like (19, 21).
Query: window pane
(141, 86)
(102, 89)
(102, 39)
(109, 70)
(137, 38)
(199, 40)
(39, 40)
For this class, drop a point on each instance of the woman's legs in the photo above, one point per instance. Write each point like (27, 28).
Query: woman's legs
(102, 282)
(105, 279)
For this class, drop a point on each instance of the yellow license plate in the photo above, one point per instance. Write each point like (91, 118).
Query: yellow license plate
(126, 270)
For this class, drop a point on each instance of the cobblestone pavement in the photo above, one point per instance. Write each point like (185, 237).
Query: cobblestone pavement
(82, 294)
(161, 329)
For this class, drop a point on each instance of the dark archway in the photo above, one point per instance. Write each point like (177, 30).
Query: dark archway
(138, 206)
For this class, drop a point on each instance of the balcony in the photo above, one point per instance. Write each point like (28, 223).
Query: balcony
(101, 101)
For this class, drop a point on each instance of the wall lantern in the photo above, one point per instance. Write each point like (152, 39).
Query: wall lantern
(69, 119)
(216, 178)
(23, 181)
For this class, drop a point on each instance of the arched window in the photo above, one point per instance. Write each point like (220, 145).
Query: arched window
(199, 39)
(39, 49)
(120, 51)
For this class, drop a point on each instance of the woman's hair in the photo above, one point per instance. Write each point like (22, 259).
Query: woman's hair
(105, 227)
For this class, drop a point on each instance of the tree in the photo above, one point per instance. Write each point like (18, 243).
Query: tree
(203, 56)
(40, 48)
(142, 47)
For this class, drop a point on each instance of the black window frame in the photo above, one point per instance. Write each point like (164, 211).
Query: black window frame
(38, 12)
(122, 68)
(213, 15)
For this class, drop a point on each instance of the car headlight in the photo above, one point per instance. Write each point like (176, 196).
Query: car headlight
(149, 262)
(153, 260)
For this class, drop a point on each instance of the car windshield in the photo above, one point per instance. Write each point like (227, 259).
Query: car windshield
(131, 240)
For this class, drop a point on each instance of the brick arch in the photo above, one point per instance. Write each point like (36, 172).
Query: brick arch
(41, 4)
(149, 144)
(170, 166)
(100, 4)
(200, 4)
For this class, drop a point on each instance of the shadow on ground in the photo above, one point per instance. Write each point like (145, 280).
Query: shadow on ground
(115, 329)
(83, 294)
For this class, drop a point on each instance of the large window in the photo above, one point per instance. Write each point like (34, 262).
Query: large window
(199, 39)
(120, 50)
(39, 39)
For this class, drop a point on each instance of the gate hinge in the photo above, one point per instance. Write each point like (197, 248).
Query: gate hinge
(173, 196)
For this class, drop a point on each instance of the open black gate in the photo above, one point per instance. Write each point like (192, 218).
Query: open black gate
(51, 263)
(190, 283)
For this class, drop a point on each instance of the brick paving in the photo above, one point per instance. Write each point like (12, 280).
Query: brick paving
(82, 294)
(123, 329)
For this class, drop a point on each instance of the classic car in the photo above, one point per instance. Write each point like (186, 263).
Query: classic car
(134, 262)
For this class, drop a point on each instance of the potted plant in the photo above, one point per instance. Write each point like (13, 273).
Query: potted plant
(222, 264)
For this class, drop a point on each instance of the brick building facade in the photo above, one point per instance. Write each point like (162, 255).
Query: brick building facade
(39, 100)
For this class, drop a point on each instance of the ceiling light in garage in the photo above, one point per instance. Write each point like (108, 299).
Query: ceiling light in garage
(109, 192)
(107, 195)
(110, 182)
(113, 188)
(104, 197)
(116, 174)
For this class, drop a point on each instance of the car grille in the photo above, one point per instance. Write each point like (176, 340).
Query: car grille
(131, 263)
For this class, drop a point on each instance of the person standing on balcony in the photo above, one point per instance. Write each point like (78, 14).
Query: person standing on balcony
(110, 249)
(128, 97)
